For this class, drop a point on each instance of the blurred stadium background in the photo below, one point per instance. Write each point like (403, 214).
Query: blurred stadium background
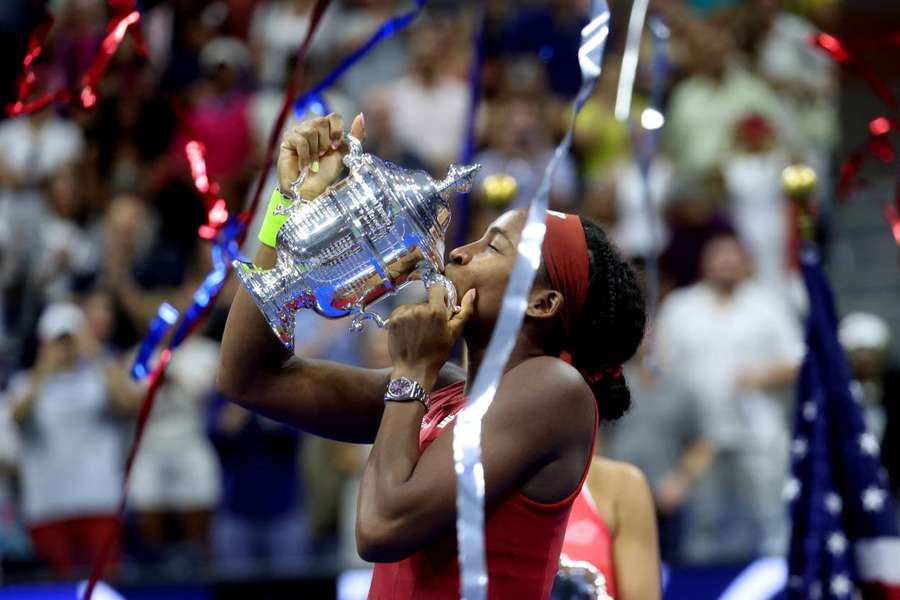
(97, 208)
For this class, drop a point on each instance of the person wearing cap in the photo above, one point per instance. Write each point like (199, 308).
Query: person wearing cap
(866, 338)
(67, 410)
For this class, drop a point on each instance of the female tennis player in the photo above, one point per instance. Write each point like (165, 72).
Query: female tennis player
(585, 317)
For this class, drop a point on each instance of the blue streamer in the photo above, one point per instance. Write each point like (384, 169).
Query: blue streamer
(467, 432)
(165, 317)
(225, 249)
(313, 97)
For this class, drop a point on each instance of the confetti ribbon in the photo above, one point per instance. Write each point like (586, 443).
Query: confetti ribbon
(467, 432)
(628, 71)
(646, 149)
(312, 99)
(878, 143)
(838, 51)
(126, 17)
(166, 316)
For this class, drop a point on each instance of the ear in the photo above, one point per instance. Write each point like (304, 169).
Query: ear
(544, 304)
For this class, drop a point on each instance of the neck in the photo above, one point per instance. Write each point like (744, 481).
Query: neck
(724, 292)
(525, 348)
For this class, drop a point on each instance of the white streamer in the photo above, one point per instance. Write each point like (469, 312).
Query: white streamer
(630, 59)
(467, 432)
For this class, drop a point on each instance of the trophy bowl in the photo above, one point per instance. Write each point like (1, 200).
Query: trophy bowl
(363, 238)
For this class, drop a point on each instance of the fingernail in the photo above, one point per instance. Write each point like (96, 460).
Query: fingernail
(362, 119)
(314, 167)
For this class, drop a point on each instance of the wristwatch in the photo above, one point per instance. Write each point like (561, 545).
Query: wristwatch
(404, 389)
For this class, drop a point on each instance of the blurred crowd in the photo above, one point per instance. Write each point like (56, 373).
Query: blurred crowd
(99, 219)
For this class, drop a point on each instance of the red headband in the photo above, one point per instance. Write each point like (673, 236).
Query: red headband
(565, 255)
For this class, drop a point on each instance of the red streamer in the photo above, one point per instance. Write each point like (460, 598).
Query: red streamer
(838, 51)
(878, 144)
(126, 18)
(216, 208)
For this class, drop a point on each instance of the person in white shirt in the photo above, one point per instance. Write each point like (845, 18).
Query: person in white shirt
(67, 409)
(428, 107)
(177, 473)
(733, 345)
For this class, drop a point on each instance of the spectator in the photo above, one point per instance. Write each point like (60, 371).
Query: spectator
(705, 106)
(68, 410)
(733, 345)
(69, 251)
(520, 147)
(428, 91)
(679, 455)
(876, 383)
(260, 523)
(758, 206)
(693, 217)
(276, 31)
(176, 474)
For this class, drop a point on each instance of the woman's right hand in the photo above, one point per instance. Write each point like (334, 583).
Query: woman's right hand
(317, 145)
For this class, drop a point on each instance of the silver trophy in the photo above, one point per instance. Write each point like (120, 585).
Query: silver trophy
(579, 580)
(364, 237)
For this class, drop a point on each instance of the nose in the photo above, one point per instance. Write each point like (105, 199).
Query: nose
(459, 256)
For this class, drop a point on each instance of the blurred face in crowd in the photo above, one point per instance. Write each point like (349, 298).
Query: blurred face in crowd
(426, 52)
(867, 363)
(124, 221)
(518, 127)
(100, 314)
(62, 192)
(725, 263)
(66, 349)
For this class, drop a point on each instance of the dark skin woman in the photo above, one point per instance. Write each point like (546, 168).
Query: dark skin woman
(537, 435)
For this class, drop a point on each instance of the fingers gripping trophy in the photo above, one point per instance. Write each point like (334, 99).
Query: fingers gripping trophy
(358, 239)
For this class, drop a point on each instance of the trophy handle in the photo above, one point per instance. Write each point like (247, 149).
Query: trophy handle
(361, 315)
(431, 277)
(353, 159)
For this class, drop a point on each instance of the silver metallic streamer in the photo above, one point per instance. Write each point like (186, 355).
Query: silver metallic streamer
(630, 59)
(467, 432)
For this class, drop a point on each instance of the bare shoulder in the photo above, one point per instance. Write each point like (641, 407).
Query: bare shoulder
(621, 482)
(549, 386)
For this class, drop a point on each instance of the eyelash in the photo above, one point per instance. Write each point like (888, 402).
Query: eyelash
(492, 247)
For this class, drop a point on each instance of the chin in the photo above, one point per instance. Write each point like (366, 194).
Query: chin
(461, 288)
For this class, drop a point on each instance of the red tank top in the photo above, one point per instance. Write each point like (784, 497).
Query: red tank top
(523, 538)
(588, 539)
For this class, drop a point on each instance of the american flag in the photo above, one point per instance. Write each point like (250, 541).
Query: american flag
(845, 534)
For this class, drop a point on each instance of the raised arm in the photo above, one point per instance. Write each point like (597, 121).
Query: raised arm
(255, 370)
(325, 398)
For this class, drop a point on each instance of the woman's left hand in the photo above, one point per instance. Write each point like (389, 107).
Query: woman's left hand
(421, 336)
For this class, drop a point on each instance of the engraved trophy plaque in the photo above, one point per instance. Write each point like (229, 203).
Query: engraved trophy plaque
(363, 238)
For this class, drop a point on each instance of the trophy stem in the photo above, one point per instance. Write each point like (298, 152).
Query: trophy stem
(278, 293)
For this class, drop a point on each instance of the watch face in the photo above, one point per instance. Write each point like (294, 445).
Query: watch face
(401, 387)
